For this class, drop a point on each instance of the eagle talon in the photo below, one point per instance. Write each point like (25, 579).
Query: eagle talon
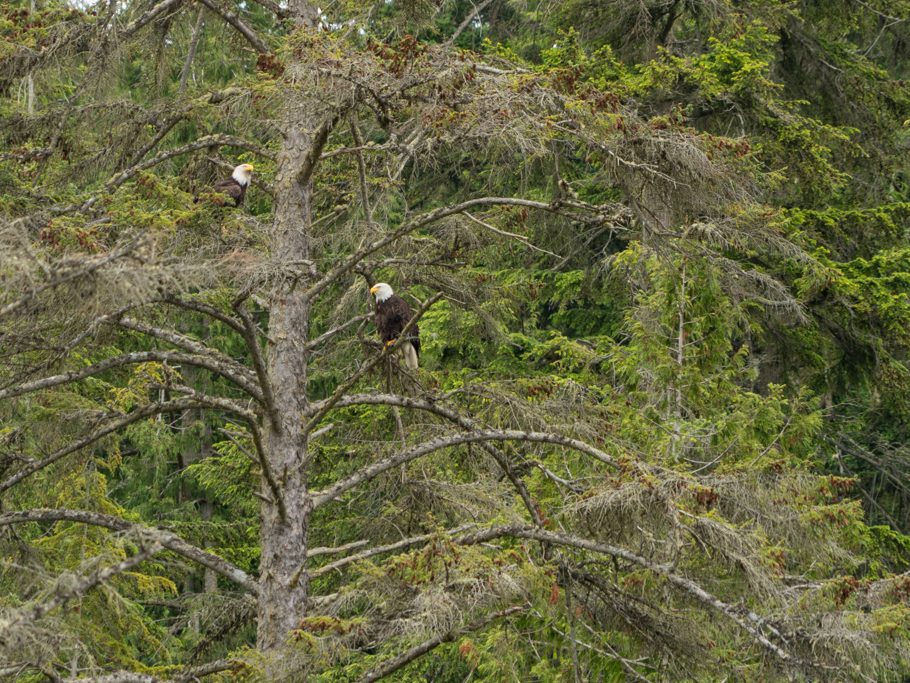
(392, 315)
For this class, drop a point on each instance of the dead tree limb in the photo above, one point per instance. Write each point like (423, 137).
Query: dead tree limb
(86, 266)
(366, 367)
(242, 381)
(747, 620)
(70, 590)
(191, 674)
(201, 143)
(112, 426)
(234, 20)
(167, 539)
(429, 217)
(452, 416)
(378, 550)
(426, 646)
(369, 472)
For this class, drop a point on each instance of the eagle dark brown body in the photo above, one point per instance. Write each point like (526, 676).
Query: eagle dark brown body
(235, 186)
(392, 315)
(232, 189)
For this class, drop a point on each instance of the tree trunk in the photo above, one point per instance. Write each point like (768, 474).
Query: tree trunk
(283, 588)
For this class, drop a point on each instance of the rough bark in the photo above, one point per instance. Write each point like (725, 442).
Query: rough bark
(282, 588)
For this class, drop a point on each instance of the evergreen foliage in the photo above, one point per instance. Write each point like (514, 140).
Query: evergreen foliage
(660, 255)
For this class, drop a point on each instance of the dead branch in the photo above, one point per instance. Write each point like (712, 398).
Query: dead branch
(417, 651)
(69, 590)
(190, 674)
(210, 311)
(201, 143)
(112, 426)
(466, 423)
(378, 550)
(328, 334)
(322, 497)
(251, 337)
(437, 214)
(167, 539)
(366, 367)
(747, 620)
(243, 381)
(85, 266)
(151, 14)
(234, 20)
(521, 238)
(194, 346)
(467, 21)
(191, 52)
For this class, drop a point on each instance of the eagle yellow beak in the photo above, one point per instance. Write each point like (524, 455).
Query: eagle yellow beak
(248, 167)
(373, 289)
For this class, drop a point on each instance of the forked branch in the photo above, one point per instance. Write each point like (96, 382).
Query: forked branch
(417, 651)
(166, 539)
(479, 436)
(339, 392)
(110, 427)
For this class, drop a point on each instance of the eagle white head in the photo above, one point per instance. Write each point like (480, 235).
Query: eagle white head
(381, 291)
(243, 174)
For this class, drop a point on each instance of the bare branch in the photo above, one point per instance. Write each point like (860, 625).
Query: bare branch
(219, 402)
(367, 147)
(167, 539)
(85, 266)
(191, 674)
(201, 143)
(521, 238)
(371, 552)
(152, 13)
(185, 676)
(251, 337)
(467, 20)
(334, 550)
(466, 423)
(417, 651)
(325, 336)
(362, 171)
(366, 367)
(209, 363)
(320, 138)
(65, 592)
(109, 428)
(192, 345)
(235, 21)
(260, 459)
(322, 497)
(746, 620)
(191, 53)
(210, 311)
(438, 214)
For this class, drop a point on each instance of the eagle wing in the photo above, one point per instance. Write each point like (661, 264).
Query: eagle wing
(391, 317)
(232, 189)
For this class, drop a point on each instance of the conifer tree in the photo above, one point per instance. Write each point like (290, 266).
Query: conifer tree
(658, 253)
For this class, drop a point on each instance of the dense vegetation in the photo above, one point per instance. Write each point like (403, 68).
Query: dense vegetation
(660, 255)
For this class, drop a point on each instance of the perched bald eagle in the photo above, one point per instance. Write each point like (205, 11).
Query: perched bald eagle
(392, 314)
(235, 186)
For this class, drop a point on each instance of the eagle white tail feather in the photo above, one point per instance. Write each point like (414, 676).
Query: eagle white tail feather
(410, 356)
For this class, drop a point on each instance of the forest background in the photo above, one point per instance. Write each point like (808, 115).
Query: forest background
(660, 255)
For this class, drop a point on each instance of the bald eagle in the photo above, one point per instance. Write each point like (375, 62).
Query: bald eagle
(392, 314)
(235, 186)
